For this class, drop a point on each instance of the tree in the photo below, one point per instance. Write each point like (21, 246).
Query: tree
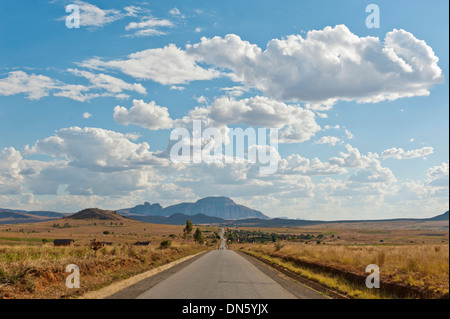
(274, 238)
(198, 236)
(188, 229)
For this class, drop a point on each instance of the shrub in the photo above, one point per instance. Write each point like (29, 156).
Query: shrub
(165, 244)
(278, 245)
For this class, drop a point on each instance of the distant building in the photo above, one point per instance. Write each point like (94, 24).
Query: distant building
(63, 242)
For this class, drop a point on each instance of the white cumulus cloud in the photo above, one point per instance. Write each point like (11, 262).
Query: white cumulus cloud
(34, 86)
(168, 65)
(147, 115)
(332, 140)
(400, 153)
(328, 65)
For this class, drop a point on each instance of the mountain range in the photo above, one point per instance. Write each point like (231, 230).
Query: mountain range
(180, 219)
(209, 210)
(220, 207)
(10, 216)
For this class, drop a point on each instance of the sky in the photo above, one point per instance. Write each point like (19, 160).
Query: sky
(361, 109)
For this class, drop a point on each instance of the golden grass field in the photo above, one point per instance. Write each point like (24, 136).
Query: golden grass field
(30, 268)
(416, 255)
(407, 254)
(83, 231)
(421, 266)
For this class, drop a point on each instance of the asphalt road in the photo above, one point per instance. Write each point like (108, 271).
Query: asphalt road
(221, 274)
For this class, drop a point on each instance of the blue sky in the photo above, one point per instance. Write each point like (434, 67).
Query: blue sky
(367, 107)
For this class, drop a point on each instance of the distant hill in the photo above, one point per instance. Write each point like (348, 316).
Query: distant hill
(47, 214)
(444, 216)
(281, 222)
(220, 207)
(146, 209)
(10, 216)
(180, 219)
(96, 214)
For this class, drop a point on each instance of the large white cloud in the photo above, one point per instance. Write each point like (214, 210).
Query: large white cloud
(328, 65)
(368, 167)
(90, 162)
(84, 181)
(296, 124)
(95, 149)
(148, 115)
(168, 65)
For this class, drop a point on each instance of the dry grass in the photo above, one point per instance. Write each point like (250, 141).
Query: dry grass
(423, 266)
(28, 271)
(83, 231)
(31, 269)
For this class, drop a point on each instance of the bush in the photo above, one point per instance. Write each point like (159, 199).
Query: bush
(278, 245)
(165, 244)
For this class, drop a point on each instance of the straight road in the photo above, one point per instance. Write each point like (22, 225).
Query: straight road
(223, 274)
(219, 274)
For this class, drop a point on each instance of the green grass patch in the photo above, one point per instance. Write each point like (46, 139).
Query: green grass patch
(26, 239)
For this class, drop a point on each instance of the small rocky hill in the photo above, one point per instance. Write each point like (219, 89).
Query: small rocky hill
(97, 214)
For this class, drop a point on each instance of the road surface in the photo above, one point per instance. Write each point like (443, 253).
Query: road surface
(221, 274)
(223, 242)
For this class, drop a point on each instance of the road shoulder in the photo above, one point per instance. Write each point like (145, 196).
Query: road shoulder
(298, 286)
(132, 287)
